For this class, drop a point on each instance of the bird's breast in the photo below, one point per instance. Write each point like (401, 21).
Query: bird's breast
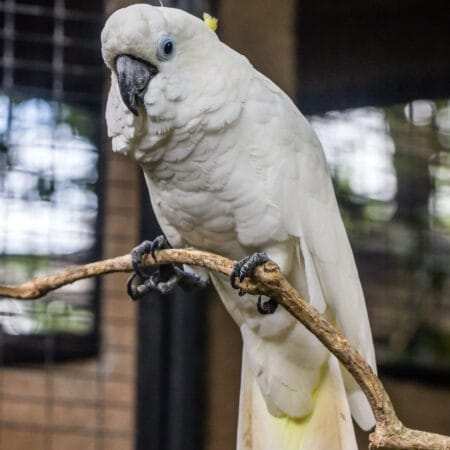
(202, 219)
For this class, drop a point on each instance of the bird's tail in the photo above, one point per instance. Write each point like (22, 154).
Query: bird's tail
(328, 427)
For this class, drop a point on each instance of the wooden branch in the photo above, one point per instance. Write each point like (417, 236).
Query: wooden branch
(389, 432)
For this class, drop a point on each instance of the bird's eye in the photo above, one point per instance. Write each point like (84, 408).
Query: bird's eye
(166, 49)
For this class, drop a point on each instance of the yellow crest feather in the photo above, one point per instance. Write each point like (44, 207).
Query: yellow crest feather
(211, 22)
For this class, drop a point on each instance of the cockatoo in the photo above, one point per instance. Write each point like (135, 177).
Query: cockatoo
(234, 168)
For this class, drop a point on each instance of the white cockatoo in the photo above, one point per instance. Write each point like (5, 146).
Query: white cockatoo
(233, 167)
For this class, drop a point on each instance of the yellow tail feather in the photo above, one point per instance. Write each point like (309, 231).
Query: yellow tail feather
(328, 427)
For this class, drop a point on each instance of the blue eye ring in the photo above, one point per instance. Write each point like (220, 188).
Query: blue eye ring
(166, 48)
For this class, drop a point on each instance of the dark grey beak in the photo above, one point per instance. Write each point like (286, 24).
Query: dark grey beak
(133, 75)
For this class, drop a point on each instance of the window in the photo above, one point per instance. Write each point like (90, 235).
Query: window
(391, 169)
(50, 203)
(375, 77)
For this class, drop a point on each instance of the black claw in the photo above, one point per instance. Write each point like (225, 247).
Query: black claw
(136, 257)
(163, 278)
(145, 279)
(131, 288)
(165, 287)
(138, 289)
(146, 248)
(246, 267)
(252, 262)
(235, 274)
(267, 307)
(159, 243)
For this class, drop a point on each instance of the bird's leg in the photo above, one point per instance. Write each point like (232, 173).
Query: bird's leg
(246, 268)
(163, 278)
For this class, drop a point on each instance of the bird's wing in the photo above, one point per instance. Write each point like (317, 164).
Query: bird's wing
(301, 187)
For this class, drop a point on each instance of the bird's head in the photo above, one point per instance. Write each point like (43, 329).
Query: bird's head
(143, 42)
(170, 74)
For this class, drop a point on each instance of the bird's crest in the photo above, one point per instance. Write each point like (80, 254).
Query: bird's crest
(211, 22)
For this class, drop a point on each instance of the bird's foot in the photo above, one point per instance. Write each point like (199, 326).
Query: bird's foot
(146, 248)
(246, 268)
(146, 279)
(163, 278)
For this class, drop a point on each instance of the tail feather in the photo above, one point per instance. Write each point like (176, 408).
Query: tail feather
(359, 405)
(328, 427)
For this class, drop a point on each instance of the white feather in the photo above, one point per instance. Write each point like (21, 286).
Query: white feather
(233, 167)
(328, 427)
